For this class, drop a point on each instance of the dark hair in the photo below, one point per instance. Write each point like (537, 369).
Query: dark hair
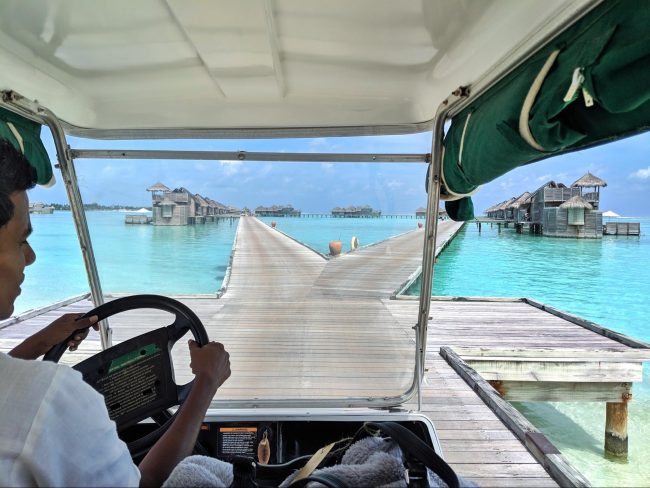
(16, 174)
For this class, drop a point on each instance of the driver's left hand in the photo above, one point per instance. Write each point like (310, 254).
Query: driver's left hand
(58, 331)
(64, 326)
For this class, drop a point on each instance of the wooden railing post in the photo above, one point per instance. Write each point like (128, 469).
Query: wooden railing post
(616, 428)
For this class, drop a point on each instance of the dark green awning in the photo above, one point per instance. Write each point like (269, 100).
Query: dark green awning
(587, 87)
(25, 136)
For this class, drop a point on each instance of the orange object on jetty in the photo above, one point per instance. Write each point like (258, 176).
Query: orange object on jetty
(335, 248)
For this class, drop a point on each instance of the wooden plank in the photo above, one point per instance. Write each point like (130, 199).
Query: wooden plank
(497, 470)
(515, 482)
(521, 391)
(551, 354)
(622, 338)
(554, 462)
(379, 270)
(558, 371)
(514, 445)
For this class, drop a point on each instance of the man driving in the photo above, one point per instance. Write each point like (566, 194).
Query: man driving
(54, 428)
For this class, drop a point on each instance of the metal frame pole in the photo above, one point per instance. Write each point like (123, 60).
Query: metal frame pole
(431, 232)
(250, 156)
(17, 103)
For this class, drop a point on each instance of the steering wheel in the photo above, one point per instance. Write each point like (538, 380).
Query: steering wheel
(136, 377)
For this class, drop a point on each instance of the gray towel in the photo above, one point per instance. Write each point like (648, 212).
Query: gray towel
(372, 461)
(377, 462)
(200, 471)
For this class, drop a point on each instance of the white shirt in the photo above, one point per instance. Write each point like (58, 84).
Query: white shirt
(55, 430)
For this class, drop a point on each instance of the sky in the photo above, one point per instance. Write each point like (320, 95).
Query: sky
(393, 188)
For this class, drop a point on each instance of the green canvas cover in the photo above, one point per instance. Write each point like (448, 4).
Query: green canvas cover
(25, 136)
(589, 86)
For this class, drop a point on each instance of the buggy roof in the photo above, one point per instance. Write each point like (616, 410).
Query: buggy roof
(266, 68)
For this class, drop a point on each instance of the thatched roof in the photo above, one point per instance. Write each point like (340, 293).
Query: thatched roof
(521, 200)
(495, 207)
(158, 187)
(506, 204)
(589, 180)
(202, 201)
(420, 210)
(577, 202)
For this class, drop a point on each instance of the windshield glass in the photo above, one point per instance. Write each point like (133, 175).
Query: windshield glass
(291, 265)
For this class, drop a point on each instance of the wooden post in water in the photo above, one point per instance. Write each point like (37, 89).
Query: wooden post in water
(616, 428)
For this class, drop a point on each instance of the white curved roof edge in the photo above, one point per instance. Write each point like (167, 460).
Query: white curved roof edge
(274, 68)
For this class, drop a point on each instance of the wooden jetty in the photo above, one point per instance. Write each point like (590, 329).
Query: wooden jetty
(607, 228)
(294, 333)
(622, 228)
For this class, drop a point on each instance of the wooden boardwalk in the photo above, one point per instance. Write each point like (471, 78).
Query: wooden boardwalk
(267, 264)
(291, 334)
(379, 270)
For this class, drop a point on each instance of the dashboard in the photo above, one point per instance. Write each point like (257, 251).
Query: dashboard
(288, 436)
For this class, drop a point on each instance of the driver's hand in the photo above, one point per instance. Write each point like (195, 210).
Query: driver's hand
(70, 324)
(210, 362)
(64, 327)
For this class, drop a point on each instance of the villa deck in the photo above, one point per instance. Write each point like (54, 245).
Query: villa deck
(293, 332)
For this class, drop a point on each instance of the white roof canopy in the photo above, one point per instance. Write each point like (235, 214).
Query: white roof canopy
(362, 66)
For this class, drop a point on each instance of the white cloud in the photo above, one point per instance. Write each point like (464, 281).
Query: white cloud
(201, 166)
(543, 178)
(266, 169)
(230, 168)
(394, 184)
(318, 142)
(641, 174)
(507, 184)
(327, 166)
(119, 171)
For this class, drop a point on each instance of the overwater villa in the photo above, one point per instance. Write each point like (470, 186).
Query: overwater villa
(421, 213)
(556, 210)
(40, 208)
(277, 211)
(181, 207)
(365, 211)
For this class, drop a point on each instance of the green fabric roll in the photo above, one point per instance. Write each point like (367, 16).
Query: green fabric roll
(608, 50)
(32, 146)
(460, 210)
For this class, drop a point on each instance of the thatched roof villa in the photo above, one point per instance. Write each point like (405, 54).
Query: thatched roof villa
(555, 209)
(182, 207)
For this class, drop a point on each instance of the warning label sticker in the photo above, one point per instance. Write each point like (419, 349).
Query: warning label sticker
(237, 441)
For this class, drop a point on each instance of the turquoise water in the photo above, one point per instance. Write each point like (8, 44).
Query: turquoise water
(602, 280)
(155, 259)
(318, 232)
(605, 281)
